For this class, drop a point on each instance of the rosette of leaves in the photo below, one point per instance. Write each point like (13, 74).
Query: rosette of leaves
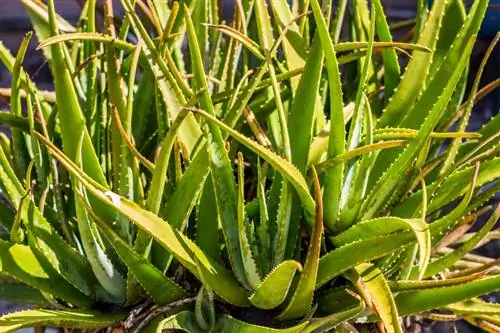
(190, 175)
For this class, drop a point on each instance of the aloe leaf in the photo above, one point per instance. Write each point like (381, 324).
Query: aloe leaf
(284, 236)
(455, 144)
(157, 186)
(14, 121)
(252, 276)
(274, 288)
(302, 298)
(412, 302)
(295, 54)
(182, 201)
(452, 22)
(406, 285)
(207, 221)
(301, 117)
(289, 172)
(416, 72)
(162, 289)
(382, 189)
(449, 259)
(360, 151)
(168, 86)
(183, 249)
(71, 119)
(381, 297)
(353, 189)
(385, 226)
(301, 121)
(470, 28)
(220, 166)
(474, 307)
(324, 324)
(50, 247)
(348, 256)
(83, 319)
(184, 321)
(441, 226)
(22, 294)
(39, 17)
(264, 231)
(96, 251)
(333, 178)
(228, 324)
(454, 186)
(392, 70)
(21, 157)
(251, 45)
(19, 262)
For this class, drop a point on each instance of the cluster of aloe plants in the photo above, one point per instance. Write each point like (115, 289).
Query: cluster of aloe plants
(193, 175)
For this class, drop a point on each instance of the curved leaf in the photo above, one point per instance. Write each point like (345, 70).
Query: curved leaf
(381, 296)
(182, 248)
(424, 300)
(289, 172)
(274, 288)
(83, 319)
(348, 256)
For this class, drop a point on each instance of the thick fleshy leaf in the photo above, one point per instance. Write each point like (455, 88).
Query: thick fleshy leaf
(162, 289)
(302, 298)
(336, 144)
(348, 256)
(274, 288)
(416, 72)
(183, 249)
(412, 302)
(58, 318)
(19, 262)
(390, 179)
(289, 172)
(381, 296)
(220, 165)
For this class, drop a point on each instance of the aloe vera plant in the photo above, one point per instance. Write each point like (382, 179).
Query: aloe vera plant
(239, 182)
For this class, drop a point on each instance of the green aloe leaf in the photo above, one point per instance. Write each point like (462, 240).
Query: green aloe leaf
(47, 244)
(334, 177)
(382, 189)
(449, 259)
(324, 324)
(220, 165)
(186, 322)
(416, 72)
(348, 256)
(21, 157)
(19, 262)
(380, 295)
(274, 288)
(251, 272)
(22, 294)
(167, 85)
(392, 70)
(386, 225)
(453, 187)
(289, 172)
(58, 318)
(183, 249)
(162, 289)
(302, 298)
(474, 307)
(412, 302)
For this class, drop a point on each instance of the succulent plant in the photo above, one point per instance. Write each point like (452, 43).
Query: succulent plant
(262, 176)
